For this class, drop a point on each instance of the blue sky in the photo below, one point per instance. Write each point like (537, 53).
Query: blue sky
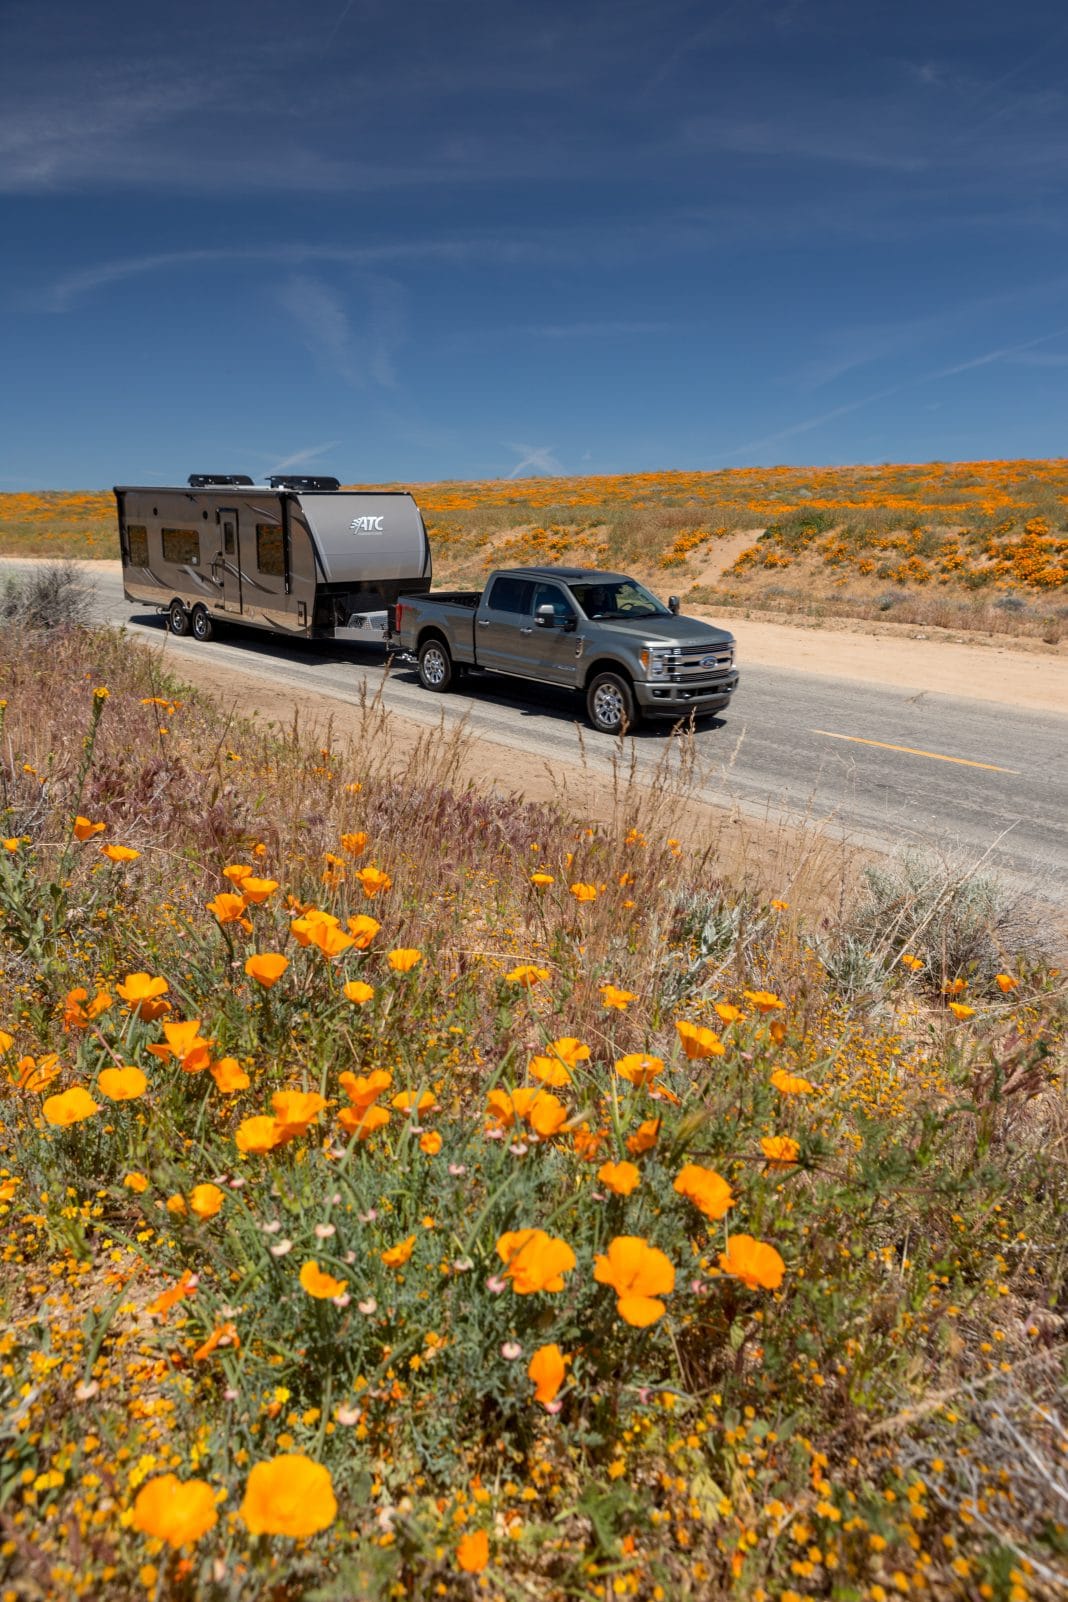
(410, 242)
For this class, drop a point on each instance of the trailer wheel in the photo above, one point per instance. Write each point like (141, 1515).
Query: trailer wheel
(177, 618)
(436, 668)
(610, 704)
(200, 623)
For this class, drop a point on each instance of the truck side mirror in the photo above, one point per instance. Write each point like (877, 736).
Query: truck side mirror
(545, 616)
(673, 605)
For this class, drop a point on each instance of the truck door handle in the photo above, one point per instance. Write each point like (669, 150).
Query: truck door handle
(526, 631)
(483, 622)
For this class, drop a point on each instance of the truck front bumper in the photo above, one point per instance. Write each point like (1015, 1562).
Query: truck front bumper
(668, 699)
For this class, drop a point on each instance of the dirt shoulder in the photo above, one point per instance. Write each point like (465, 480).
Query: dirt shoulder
(1022, 673)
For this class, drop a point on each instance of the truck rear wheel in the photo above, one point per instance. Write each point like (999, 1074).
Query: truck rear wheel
(437, 670)
(610, 704)
(177, 618)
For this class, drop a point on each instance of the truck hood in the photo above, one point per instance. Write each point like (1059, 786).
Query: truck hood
(684, 631)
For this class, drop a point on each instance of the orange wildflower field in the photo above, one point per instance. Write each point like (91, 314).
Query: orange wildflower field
(381, 1217)
(968, 544)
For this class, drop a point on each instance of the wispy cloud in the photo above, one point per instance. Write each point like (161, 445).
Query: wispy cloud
(363, 354)
(807, 424)
(300, 458)
(70, 289)
(536, 458)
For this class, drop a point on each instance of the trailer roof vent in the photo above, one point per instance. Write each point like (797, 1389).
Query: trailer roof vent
(206, 480)
(298, 481)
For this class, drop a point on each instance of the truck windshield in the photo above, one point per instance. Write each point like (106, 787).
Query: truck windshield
(617, 598)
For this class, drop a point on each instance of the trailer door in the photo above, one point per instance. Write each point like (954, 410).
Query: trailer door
(226, 566)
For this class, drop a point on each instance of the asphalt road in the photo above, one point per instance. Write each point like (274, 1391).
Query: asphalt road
(888, 767)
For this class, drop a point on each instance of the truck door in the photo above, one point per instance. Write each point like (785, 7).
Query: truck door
(504, 626)
(226, 563)
(553, 646)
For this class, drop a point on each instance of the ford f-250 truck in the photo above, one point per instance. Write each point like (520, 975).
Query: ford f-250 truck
(602, 634)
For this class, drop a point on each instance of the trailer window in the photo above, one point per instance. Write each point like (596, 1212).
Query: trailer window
(137, 544)
(510, 595)
(181, 545)
(270, 550)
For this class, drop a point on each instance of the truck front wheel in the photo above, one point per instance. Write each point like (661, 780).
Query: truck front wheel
(610, 704)
(436, 668)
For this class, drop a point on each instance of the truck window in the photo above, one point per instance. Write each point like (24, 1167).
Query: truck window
(270, 550)
(510, 594)
(137, 544)
(181, 545)
(552, 595)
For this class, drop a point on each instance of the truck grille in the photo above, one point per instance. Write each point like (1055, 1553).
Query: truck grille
(698, 664)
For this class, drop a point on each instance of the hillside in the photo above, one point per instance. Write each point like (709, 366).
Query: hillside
(981, 546)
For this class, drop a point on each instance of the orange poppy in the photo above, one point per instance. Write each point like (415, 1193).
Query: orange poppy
(373, 881)
(698, 1042)
(764, 1000)
(639, 1274)
(229, 1075)
(363, 930)
(644, 1138)
(323, 1286)
(708, 1191)
(266, 967)
(754, 1262)
(206, 1200)
(69, 1107)
(226, 907)
(619, 1178)
(791, 1084)
(535, 1261)
(121, 1084)
(186, 1045)
(357, 992)
(527, 975)
(404, 959)
(472, 1552)
(780, 1150)
(547, 1368)
(638, 1068)
(363, 1121)
(176, 1511)
(397, 1256)
(289, 1495)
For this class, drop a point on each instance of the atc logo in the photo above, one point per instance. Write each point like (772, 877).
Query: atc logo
(366, 525)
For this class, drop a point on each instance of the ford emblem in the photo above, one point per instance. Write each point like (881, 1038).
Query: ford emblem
(709, 661)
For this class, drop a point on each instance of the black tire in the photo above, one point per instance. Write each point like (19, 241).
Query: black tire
(437, 670)
(178, 619)
(610, 704)
(200, 625)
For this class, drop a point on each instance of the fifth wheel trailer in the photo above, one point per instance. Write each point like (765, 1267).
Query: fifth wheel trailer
(297, 556)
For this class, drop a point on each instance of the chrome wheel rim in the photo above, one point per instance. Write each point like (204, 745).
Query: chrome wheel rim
(177, 619)
(200, 625)
(435, 668)
(608, 706)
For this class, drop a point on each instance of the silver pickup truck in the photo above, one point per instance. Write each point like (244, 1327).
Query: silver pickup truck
(602, 634)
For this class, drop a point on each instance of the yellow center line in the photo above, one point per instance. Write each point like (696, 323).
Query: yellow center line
(935, 756)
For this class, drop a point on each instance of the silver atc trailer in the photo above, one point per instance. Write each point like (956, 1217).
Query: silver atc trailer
(297, 556)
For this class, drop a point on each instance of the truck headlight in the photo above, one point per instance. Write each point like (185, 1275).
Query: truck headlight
(656, 663)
